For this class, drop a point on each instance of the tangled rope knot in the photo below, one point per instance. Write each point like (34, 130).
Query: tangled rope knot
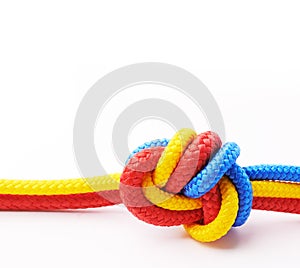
(189, 180)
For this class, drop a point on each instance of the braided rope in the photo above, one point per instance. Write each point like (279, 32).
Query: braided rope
(190, 180)
(60, 187)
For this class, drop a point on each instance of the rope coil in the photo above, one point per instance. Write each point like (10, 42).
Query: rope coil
(190, 180)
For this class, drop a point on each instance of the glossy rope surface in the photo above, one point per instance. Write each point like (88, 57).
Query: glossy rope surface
(190, 180)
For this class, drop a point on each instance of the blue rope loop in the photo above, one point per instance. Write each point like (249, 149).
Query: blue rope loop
(223, 163)
(244, 188)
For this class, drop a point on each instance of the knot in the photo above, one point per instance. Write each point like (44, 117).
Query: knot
(189, 180)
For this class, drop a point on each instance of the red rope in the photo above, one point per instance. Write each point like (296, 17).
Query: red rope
(55, 202)
(290, 205)
(89, 200)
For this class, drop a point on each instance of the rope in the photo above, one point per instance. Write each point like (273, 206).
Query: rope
(190, 180)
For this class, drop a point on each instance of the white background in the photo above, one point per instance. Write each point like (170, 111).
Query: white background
(247, 54)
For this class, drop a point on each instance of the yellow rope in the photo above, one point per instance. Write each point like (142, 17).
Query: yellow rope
(56, 187)
(275, 189)
(152, 192)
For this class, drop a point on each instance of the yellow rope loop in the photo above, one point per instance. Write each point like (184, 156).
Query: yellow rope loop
(167, 200)
(171, 155)
(225, 219)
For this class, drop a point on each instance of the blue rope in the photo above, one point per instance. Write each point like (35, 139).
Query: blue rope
(274, 173)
